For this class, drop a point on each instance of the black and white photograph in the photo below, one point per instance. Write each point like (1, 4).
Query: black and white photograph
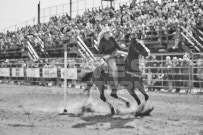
(101, 67)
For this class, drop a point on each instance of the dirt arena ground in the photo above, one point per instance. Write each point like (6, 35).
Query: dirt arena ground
(34, 110)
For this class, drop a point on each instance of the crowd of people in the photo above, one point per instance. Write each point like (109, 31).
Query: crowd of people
(176, 72)
(147, 19)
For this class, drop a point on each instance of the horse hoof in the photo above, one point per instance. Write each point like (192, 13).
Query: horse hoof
(141, 107)
(128, 104)
(113, 111)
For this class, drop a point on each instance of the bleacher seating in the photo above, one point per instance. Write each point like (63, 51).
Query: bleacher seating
(156, 24)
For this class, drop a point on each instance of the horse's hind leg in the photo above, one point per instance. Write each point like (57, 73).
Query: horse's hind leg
(87, 89)
(115, 95)
(103, 98)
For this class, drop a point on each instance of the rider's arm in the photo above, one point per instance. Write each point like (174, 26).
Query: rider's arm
(116, 44)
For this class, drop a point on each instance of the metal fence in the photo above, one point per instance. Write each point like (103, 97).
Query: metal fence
(43, 71)
(185, 71)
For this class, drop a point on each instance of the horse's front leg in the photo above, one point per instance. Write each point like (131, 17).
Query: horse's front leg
(87, 89)
(142, 90)
(134, 95)
(115, 95)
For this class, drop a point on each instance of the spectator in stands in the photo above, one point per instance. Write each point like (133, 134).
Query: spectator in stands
(200, 72)
(52, 64)
(175, 73)
(178, 38)
(168, 77)
(6, 64)
(41, 64)
(152, 66)
(46, 65)
(35, 63)
(24, 65)
(19, 64)
(186, 71)
(128, 19)
(180, 74)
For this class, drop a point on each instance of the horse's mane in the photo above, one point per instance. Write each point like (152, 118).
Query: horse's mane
(132, 51)
(132, 60)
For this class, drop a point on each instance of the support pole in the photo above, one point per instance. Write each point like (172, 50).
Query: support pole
(85, 6)
(71, 9)
(101, 4)
(38, 11)
(111, 2)
(65, 77)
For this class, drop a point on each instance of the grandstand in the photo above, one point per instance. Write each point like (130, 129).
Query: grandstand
(164, 31)
(163, 27)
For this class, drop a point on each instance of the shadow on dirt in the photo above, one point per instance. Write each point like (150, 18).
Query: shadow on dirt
(20, 125)
(109, 121)
(106, 121)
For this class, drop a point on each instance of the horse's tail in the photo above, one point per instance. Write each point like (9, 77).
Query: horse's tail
(87, 77)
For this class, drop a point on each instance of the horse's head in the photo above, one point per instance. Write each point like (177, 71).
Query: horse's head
(139, 47)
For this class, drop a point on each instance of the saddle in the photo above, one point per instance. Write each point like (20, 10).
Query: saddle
(105, 68)
(121, 66)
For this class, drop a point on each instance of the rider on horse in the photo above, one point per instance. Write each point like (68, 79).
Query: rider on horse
(132, 78)
(107, 48)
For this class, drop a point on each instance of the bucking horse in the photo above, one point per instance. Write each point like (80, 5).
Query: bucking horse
(129, 76)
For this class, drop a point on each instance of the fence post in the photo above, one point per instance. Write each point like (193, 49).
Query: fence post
(77, 7)
(33, 21)
(56, 10)
(71, 9)
(167, 36)
(101, 4)
(162, 83)
(85, 6)
(190, 74)
(65, 77)
(50, 11)
(160, 34)
(192, 68)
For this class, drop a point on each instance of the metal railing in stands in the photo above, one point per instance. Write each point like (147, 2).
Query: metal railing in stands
(190, 42)
(191, 37)
(85, 50)
(158, 36)
(32, 51)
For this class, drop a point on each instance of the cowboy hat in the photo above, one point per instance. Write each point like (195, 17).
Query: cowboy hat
(168, 58)
(6, 60)
(103, 31)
